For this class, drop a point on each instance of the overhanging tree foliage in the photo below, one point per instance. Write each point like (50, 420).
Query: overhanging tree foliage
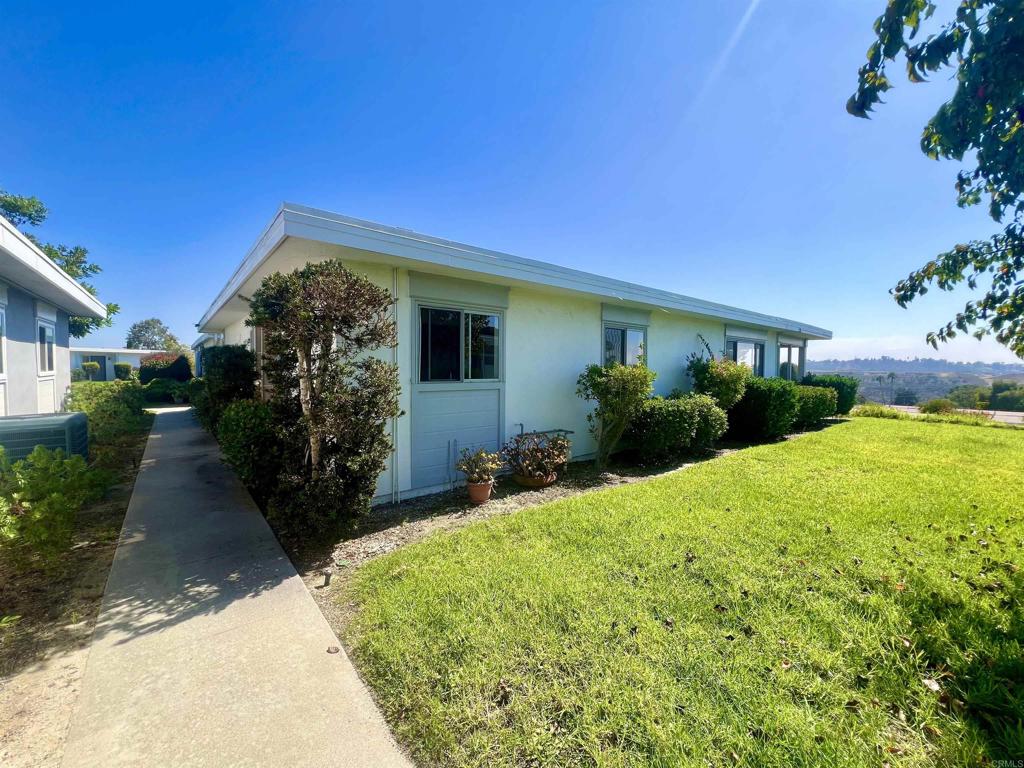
(29, 211)
(982, 123)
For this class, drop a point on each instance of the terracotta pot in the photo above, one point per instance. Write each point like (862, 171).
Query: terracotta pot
(480, 492)
(535, 482)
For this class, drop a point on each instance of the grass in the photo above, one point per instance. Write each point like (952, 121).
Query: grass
(848, 598)
(875, 411)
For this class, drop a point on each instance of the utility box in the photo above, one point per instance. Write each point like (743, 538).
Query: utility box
(19, 435)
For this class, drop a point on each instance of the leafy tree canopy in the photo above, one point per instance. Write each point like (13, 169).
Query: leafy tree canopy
(30, 211)
(980, 126)
(152, 333)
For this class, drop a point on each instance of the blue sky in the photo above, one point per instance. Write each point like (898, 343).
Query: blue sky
(660, 142)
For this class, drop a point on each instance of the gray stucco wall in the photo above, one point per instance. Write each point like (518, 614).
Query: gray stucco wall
(22, 355)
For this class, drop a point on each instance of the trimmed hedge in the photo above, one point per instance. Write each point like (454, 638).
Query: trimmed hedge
(229, 374)
(767, 410)
(165, 365)
(666, 429)
(722, 379)
(814, 405)
(123, 371)
(845, 387)
(251, 445)
(113, 408)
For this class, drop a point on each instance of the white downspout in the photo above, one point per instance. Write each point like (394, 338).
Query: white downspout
(395, 494)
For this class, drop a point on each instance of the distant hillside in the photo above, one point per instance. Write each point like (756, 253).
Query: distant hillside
(927, 378)
(917, 365)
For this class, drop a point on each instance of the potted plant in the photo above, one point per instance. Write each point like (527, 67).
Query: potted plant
(479, 467)
(535, 458)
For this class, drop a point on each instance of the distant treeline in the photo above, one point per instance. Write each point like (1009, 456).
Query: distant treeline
(916, 365)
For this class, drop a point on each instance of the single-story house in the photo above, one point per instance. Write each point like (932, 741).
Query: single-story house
(489, 344)
(106, 357)
(36, 299)
(204, 340)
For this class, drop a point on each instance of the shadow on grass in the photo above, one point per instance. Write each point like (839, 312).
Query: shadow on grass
(452, 509)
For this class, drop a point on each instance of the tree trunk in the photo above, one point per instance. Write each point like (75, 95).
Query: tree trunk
(306, 399)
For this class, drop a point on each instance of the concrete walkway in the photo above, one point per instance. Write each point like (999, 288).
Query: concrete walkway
(208, 650)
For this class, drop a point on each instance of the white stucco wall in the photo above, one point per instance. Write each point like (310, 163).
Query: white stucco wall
(548, 339)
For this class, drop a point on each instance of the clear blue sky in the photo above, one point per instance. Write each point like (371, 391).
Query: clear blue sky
(626, 139)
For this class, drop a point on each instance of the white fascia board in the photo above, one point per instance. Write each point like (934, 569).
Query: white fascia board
(24, 265)
(312, 224)
(116, 350)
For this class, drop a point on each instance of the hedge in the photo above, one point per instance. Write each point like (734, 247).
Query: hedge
(123, 371)
(165, 365)
(666, 429)
(845, 387)
(767, 410)
(229, 374)
(113, 408)
(251, 445)
(814, 405)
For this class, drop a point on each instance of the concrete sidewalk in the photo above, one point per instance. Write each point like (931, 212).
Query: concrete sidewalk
(208, 649)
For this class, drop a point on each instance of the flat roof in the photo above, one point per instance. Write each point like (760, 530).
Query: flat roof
(23, 265)
(117, 350)
(414, 249)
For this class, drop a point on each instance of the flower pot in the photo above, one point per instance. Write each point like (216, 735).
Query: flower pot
(535, 482)
(480, 492)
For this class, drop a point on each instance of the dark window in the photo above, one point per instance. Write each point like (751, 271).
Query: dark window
(481, 346)
(624, 345)
(45, 349)
(440, 345)
(790, 361)
(749, 353)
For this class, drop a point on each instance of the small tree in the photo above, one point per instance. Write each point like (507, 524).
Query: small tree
(905, 396)
(320, 325)
(152, 333)
(123, 371)
(620, 392)
(91, 369)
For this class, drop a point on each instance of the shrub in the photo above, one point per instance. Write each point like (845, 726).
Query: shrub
(250, 444)
(77, 374)
(845, 387)
(91, 369)
(229, 374)
(113, 408)
(123, 371)
(478, 466)
(1007, 399)
(938, 405)
(165, 365)
(619, 391)
(536, 454)
(905, 396)
(332, 400)
(814, 405)
(767, 410)
(875, 411)
(666, 429)
(39, 497)
(722, 379)
(167, 391)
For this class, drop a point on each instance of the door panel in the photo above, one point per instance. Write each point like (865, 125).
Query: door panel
(444, 421)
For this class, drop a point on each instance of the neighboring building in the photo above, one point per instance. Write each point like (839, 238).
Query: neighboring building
(36, 299)
(106, 357)
(532, 329)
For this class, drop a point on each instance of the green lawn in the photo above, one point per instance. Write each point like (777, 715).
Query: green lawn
(851, 597)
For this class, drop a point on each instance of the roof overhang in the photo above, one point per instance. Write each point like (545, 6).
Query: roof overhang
(22, 264)
(360, 240)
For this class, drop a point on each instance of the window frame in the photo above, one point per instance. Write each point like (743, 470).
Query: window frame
(3, 342)
(626, 327)
(463, 310)
(800, 365)
(51, 328)
(762, 343)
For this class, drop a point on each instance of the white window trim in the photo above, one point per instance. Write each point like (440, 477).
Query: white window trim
(52, 327)
(748, 340)
(803, 361)
(606, 324)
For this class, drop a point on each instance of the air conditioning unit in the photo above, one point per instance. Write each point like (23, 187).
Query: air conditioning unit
(19, 435)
